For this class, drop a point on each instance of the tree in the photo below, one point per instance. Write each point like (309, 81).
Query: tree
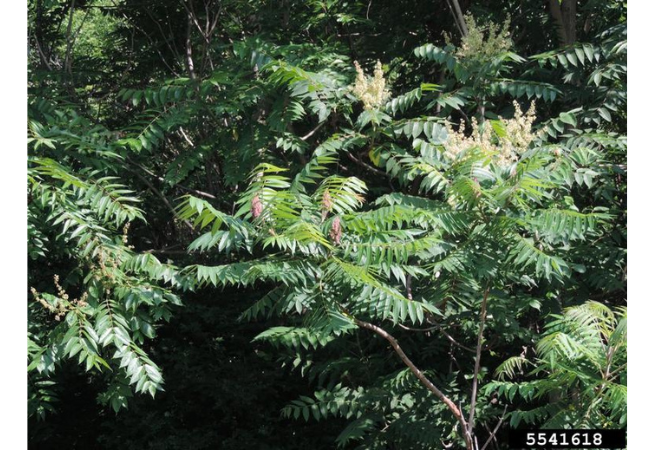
(493, 225)
(406, 215)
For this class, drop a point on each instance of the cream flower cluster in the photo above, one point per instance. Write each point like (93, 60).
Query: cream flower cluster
(482, 44)
(505, 149)
(519, 131)
(372, 92)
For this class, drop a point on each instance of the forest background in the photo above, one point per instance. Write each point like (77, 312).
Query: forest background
(280, 78)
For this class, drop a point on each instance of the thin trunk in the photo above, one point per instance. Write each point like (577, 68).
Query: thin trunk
(188, 48)
(477, 362)
(455, 410)
(459, 17)
(564, 13)
(67, 64)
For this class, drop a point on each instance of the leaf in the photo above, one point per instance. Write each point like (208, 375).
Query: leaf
(604, 113)
(569, 119)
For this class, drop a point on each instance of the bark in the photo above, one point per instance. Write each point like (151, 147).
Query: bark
(477, 362)
(458, 16)
(564, 13)
(188, 48)
(67, 65)
(455, 410)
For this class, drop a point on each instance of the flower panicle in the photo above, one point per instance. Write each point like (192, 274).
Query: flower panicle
(371, 91)
(505, 149)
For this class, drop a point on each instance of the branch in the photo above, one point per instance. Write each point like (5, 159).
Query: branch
(149, 38)
(311, 133)
(172, 250)
(494, 432)
(365, 165)
(477, 362)
(422, 377)
(421, 330)
(193, 191)
(188, 48)
(459, 16)
(451, 8)
(437, 327)
(449, 336)
(185, 136)
(191, 15)
(42, 55)
(165, 36)
(162, 197)
(68, 50)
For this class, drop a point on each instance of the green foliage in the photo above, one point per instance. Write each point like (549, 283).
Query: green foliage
(582, 371)
(476, 225)
(226, 149)
(83, 216)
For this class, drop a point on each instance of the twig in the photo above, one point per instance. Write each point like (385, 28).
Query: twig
(437, 327)
(365, 165)
(167, 251)
(149, 38)
(311, 133)
(185, 136)
(185, 188)
(494, 432)
(449, 336)
(165, 36)
(421, 330)
(162, 197)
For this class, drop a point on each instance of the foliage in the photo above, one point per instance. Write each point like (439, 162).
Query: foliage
(391, 240)
(582, 360)
(82, 217)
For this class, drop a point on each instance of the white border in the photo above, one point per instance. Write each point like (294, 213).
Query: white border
(13, 260)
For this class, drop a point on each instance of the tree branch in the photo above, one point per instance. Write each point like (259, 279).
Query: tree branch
(449, 336)
(365, 165)
(455, 410)
(162, 197)
(161, 179)
(67, 64)
(494, 432)
(42, 54)
(459, 17)
(188, 47)
(311, 133)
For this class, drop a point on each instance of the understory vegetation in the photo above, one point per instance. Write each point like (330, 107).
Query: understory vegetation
(325, 224)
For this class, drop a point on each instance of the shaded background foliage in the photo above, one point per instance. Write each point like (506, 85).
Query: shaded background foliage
(220, 390)
(173, 98)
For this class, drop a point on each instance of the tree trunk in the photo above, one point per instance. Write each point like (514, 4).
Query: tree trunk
(564, 14)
